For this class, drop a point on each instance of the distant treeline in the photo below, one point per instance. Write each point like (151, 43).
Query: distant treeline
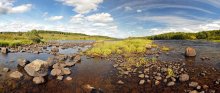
(208, 35)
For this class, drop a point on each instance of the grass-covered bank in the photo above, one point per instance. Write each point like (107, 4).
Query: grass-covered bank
(127, 46)
(205, 35)
(36, 36)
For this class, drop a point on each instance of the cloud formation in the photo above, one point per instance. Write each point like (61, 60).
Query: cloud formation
(7, 6)
(55, 18)
(82, 6)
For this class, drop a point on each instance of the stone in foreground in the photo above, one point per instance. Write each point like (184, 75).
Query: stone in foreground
(38, 80)
(4, 50)
(16, 74)
(190, 52)
(184, 77)
(37, 68)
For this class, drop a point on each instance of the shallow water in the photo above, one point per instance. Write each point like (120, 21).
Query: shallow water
(99, 73)
(203, 49)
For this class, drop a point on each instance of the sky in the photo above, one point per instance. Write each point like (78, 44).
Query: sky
(114, 18)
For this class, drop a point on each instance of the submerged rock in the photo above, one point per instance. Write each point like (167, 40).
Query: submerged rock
(59, 77)
(16, 74)
(193, 84)
(120, 82)
(190, 52)
(37, 68)
(38, 80)
(171, 84)
(184, 77)
(141, 82)
(68, 78)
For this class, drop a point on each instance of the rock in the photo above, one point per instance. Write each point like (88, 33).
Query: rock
(165, 80)
(66, 71)
(141, 76)
(69, 64)
(6, 69)
(38, 80)
(4, 50)
(171, 84)
(37, 68)
(55, 49)
(205, 87)
(157, 82)
(190, 52)
(148, 46)
(194, 91)
(193, 84)
(68, 78)
(36, 52)
(146, 76)
(115, 65)
(22, 62)
(77, 58)
(198, 87)
(60, 77)
(141, 82)
(16, 74)
(55, 72)
(173, 79)
(184, 77)
(120, 82)
(158, 78)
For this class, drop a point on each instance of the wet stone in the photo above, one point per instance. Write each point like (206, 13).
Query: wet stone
(193, 84)
(6, 69)
(16, 74)
(184, 77)
(141, 76)
(171, 84)
(59, 77)
(38, 80)
(141, 82)
(120, 82)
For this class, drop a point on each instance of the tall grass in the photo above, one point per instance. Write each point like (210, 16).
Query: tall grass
(127, 46)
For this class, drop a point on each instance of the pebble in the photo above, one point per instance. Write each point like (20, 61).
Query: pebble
(205, 87)
(157, 82)
(38, 80)
(141, 82)
(198, 87)
(171, 84)
(194, 91)
(193, 84)
(158, 78)
(184, 77)
(141, 76)
(60, 77)
(120, 82)
(69, 78)
(5, 69)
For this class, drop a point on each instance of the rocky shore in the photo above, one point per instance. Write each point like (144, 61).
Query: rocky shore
(134, 73)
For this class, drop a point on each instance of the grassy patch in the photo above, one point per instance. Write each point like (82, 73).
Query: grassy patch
(13, 43)
(127, 46)
(164, 48)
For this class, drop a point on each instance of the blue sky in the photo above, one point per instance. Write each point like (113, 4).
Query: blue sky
(115, 18)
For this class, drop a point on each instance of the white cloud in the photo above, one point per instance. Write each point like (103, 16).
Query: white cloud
(101, 17)
(45, 14)
(7, 6)
(139, 11)
(78, 24)
(55, 18)
(82, 6)
(127, 8)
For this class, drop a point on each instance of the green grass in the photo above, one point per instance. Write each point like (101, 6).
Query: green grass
(127, 46)
(35, 36)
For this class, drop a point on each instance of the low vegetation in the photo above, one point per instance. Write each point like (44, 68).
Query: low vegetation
(206, 35)
(37, 36)
(126, 46)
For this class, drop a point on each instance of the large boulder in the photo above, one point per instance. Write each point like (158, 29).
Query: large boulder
(190, 52)
(16, 74)
(37, 68)
(38, 80)
(4, 50)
